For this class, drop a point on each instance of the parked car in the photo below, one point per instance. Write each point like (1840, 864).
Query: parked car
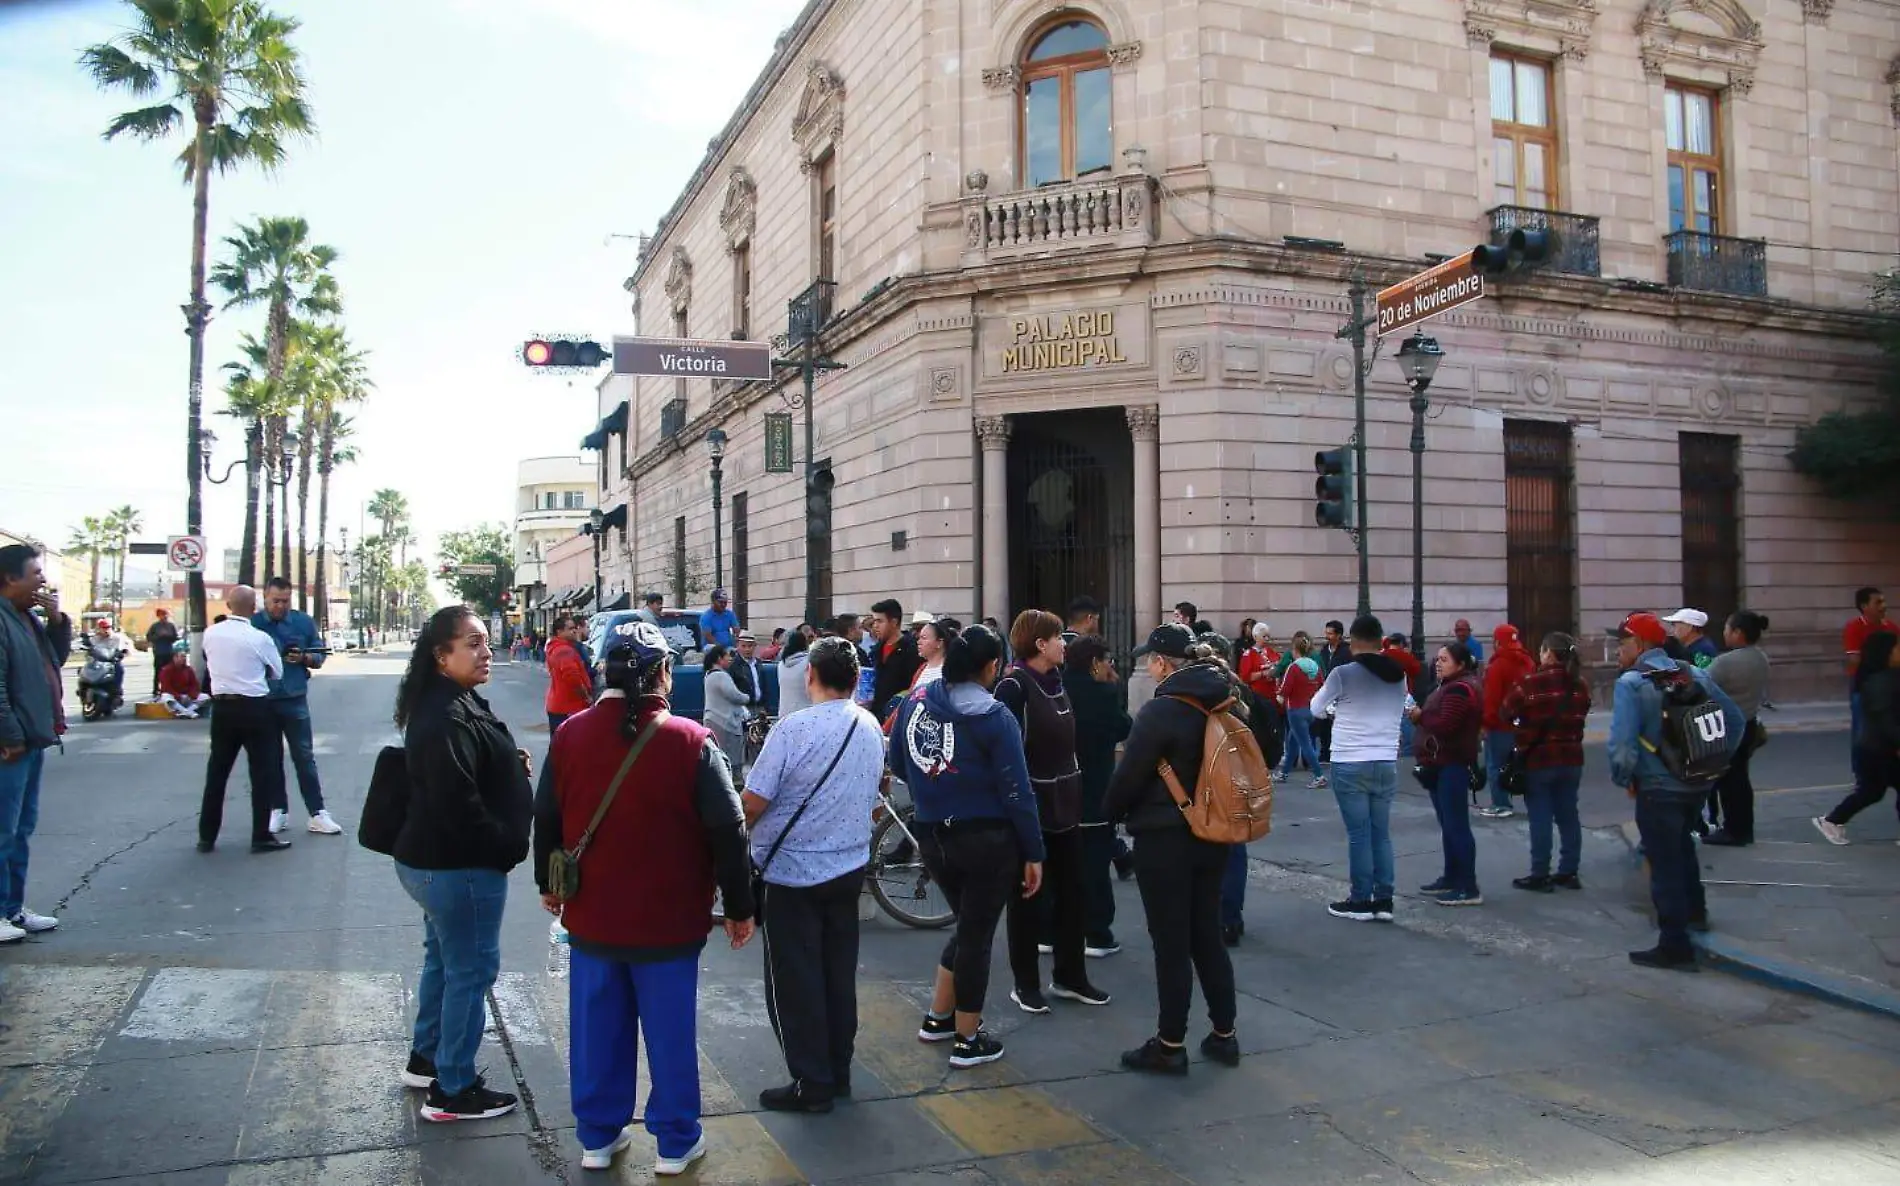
(681, 628)
(339, 641)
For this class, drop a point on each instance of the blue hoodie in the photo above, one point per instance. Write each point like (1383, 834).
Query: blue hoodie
(960, 752)
(1636, 726)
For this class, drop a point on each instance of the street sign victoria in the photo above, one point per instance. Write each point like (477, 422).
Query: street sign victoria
(685, 358)
(186, 553)
(1433, 291)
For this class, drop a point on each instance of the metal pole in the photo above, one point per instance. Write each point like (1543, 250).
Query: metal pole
(1358, 294)
(719, 545)
(808, 370)
(1419, 405)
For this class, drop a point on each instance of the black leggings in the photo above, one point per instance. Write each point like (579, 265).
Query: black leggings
(979, 864)
(1055, 915)
(1180, 880)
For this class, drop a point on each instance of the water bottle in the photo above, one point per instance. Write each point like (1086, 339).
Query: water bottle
(558, 950)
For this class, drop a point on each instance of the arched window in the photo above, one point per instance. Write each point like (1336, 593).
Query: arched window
(1067, 129)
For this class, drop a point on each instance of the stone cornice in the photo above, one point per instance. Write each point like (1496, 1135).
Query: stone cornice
(740, 213)
(1734, 52)
(1556, 26)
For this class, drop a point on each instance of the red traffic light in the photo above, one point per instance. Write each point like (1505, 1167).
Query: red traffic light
(563, 353)
(538, 353)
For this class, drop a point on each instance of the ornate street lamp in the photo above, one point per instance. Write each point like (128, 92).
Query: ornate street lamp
(716, 450)
(1419, 357)
(596, 527)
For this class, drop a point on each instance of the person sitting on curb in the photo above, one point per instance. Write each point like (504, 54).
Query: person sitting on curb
(178, 688)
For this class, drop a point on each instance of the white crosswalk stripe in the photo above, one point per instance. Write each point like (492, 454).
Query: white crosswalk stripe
(189, 740)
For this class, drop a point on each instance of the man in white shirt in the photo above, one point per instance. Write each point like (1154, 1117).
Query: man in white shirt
(242, 660)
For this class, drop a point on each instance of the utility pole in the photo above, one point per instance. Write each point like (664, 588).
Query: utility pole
(1355, 332)
(805, 317)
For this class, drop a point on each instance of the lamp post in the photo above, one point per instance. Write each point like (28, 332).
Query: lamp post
(596, 527)
(716, 450)
(1419, 357)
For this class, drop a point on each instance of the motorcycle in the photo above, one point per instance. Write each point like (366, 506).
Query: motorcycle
(101, 682)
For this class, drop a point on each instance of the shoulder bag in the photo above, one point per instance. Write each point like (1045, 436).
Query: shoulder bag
(758, 871)
(564, 867)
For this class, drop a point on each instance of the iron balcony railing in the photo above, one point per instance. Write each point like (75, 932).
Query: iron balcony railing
(807, 313)
(1105, 211)
(1577, 247)
(672, 419)
(1717, 263)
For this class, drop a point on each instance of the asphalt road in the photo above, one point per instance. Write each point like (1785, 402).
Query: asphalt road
(240, 1019)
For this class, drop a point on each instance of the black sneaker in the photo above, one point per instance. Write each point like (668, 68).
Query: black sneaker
(420, 1073)
(1225, 1051)
(975, 1050)
(1537, 883)
(1382, 909)
(1723, 838)
(1663, 957)
(1029, 1000)
(936, 1029)
(474, 1102)
(796, 1096)
(1158, 1057)
(1434, 888)
(1230, 936)
(1086, 994)
(1356, 909)
(1101, 947)
(1566, 881)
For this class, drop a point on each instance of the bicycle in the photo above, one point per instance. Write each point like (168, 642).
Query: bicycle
(897, 876)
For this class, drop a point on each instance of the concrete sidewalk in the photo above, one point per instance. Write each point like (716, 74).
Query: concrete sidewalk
(1809, 717)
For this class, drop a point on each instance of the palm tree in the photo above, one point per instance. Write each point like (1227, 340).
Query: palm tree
(334, 369)
(89, 539)
(247, 398)
(273, 401)
(391, 511)
(121, 524)
(229, 72)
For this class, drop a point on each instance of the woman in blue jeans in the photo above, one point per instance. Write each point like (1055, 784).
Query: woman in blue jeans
(1549, 708)
(1448, 724)
(467, 824)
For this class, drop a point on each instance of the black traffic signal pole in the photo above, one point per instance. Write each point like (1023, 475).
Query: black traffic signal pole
(1355, 331)
(804, 319)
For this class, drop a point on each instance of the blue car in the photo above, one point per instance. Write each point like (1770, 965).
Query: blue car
(689, 680)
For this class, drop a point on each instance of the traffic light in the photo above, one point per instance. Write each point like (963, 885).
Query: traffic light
(547, 353)
(1523, 248)
(818, 489)
(1334, 488)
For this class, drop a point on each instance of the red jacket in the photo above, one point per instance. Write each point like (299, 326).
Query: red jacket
(1409, 662)
(181, 682)
(1506, 669)
(1256, 671)
(570, 687)
(1298, 687)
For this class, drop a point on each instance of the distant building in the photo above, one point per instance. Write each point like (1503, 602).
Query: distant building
(552, 500)
(68, 573)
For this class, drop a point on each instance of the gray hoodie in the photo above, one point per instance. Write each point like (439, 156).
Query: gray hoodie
(30, 688)
(1367, 696)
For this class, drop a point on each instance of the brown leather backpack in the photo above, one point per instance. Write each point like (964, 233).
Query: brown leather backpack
(1233, 792)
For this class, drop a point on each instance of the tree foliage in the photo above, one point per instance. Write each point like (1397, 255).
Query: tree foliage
(483, 544)
(1856, 455)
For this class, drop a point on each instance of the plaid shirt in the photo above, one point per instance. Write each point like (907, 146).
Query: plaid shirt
(1549, 709)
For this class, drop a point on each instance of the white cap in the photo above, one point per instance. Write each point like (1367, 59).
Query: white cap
(1689, 617)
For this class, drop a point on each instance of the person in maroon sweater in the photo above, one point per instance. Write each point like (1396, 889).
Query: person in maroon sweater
(639, 922)
(1446, 744)
(1510, 664)
(1549, 709)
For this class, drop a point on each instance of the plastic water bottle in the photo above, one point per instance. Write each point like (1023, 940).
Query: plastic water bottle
(558, 950)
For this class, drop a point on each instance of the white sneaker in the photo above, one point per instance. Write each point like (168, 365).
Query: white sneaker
(10, 933)
(278, 822)
(34, 924)
(323, 825)
(672, 1167)
(603, 1159)
(1835, 833)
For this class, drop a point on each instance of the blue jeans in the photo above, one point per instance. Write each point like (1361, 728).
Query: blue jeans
(1299, 742)
(1675, 873)
(1498, 744)
(19, 815)
(1233, 886)
(1364, 791)
(610, 1004)
(1451, 802)
(293, 718)
(1551, 794)
(461, 955)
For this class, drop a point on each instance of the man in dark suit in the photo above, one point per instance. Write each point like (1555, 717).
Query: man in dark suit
(745, 670)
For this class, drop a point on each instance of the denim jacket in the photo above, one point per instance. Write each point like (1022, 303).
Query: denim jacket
(1636, 718)
(299, 631)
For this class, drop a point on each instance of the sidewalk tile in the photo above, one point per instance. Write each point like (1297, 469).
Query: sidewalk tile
(863, 1137)
(1007, 1120)
(1298, 1147)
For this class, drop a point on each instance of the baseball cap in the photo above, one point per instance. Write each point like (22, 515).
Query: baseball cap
(1171, 639)
(650, 598)
(1505, 633)
(1689, 617)
(720, 595)
(1647, 627)
(637, 644)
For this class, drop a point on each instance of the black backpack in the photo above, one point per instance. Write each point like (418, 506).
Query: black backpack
(1695, 746)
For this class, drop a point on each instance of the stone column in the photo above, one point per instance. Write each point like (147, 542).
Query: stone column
(1144, 425)
(993, 432)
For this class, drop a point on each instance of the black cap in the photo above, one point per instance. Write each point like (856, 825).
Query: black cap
(1171, 639)
(650, 598)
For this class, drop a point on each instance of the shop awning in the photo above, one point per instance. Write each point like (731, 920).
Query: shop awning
(615, 518)
(582, 597)
(624, 601)
(596, 439)
(613, 423)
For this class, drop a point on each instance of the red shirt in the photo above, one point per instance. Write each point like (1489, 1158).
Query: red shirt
(1256, 670)
(181, 682)
(1298, 687)
(1506, 670)
(1854, 638)
(570, 688)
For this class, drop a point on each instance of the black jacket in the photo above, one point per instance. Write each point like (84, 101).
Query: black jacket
(1880, 712)
(470, 806)
(1101, 724)
(1164, 729)
(893, 675)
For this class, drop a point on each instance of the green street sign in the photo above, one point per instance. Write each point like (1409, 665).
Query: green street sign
(778, 442)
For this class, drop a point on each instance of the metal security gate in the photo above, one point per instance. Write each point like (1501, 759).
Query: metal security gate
(1071, 517)
(1711, 525)
(1540, 529)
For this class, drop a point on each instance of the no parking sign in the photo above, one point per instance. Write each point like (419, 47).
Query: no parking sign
(185, 553)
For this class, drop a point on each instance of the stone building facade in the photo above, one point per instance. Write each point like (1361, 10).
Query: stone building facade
(1091, 260)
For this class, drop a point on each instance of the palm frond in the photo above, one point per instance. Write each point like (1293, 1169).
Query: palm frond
(147, 123)
(110, 67)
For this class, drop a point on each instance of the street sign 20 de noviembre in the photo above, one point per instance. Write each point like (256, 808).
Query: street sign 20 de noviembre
(1431, 292)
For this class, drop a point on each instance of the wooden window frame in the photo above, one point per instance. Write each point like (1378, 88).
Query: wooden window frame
(1692, 162)
(1065, 69)
(824, 215)
(1522, 134)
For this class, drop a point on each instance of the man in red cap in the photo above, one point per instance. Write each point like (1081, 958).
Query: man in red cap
(1507, 669)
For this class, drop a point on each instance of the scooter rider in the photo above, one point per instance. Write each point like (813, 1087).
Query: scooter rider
(108, 647)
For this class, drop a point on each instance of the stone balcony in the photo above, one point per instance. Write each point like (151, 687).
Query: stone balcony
(1100, 211)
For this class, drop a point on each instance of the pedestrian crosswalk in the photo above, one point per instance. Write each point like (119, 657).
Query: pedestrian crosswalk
(111, 1072)
(126, 739)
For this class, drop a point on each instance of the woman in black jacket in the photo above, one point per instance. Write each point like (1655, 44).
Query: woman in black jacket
(1101, 724)
(1877, 683)
(1179, 874)
(468, 823)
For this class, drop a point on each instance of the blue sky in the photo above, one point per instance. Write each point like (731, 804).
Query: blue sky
(472, 159)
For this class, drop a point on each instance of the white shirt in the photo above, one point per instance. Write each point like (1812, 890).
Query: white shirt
(241, 658)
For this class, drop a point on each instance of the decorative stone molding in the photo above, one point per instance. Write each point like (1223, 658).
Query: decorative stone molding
(1733, 50)
(1893, 82)
(976, 181)
(1187, 360)
(1559, 26)
(1002, 78)
(993, 432)
(679, 280)
(943, 383)
(1124, 55)
(1816, 12)
(740, 214)
(1144, 421)
(819, 122)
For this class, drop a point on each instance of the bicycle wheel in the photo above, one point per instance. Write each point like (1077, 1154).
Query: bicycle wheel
(900, 882)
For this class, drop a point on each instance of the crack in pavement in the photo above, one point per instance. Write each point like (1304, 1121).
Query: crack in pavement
(85, 879)
(543, 1142)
